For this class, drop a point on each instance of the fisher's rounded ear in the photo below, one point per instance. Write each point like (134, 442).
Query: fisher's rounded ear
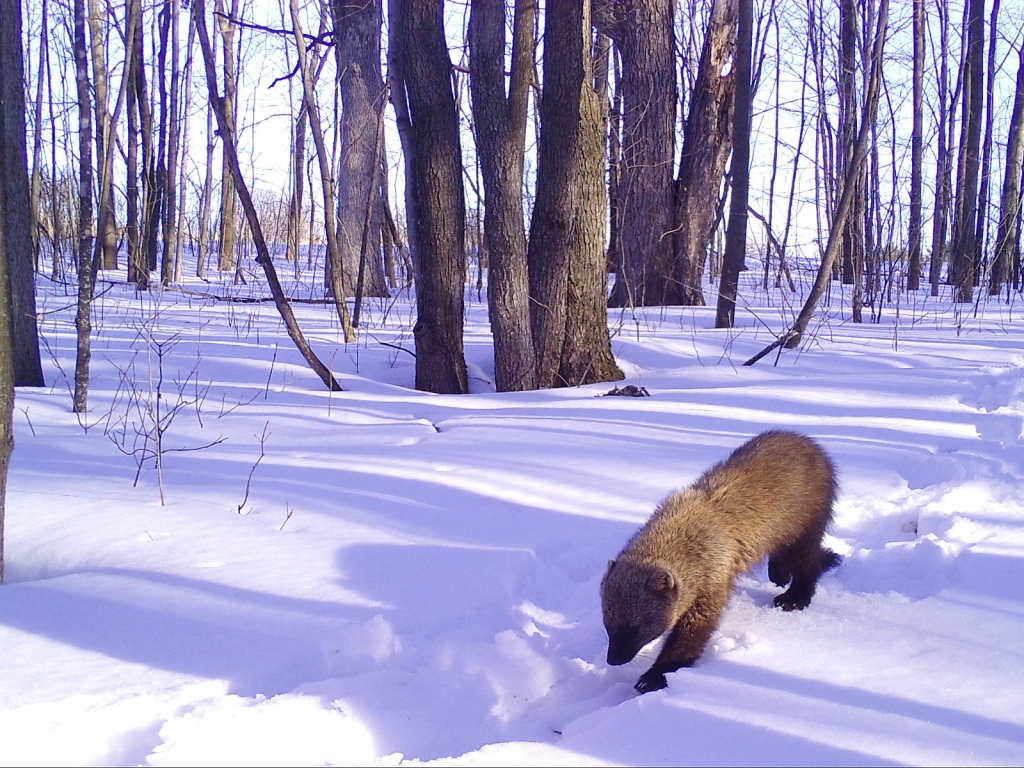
(611, 564)
(661, 581)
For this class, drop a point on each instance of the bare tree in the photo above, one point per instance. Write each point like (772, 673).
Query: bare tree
(357, 33)
(439, 204)
(15, 225)
(566, 248)
(86, 274)
(1008, 232)
(106, 241)
(792, 337)
(707, 142)
(916, 149)
(263, 253)
(643, 31)
(226, 22)
(736, 233)
(962, 272)
(500, 123)
(335, 270)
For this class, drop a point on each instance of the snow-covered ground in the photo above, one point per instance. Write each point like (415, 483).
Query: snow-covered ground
(415, 577)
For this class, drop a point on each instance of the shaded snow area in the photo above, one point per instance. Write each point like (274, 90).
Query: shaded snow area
(403, 576)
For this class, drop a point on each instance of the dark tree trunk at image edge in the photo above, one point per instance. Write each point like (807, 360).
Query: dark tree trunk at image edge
(736, 233)
(501, 140)
(15, 220)
(17, 206)
(357, 25)
(566, 250)
(643, 31)
(440, 210)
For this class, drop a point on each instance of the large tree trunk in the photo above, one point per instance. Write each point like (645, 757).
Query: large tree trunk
(644, 33)
(17, 215)
(1008, 233)
(500, 124)
(357, 25)
(566, 248)
(707, 141)
(916, 149)
(736, 232)
(962, 259)
(15, 226)
(440, 212)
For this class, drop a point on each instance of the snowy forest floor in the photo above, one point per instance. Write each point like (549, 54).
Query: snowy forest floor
(381, 574)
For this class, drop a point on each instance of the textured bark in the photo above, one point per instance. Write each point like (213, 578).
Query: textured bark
(228, 235)
(736, 232)
(170, 218)
(962, 272)
(500, 124)
(138, 272)
(566, 247)
(17, 213)
(916, 149)
(1008, 232)
(986, 149)
(707, 142)
(83, 315)
(357, 25)
(106, 241)
(15, 222)
(439, 202)
(643, 31)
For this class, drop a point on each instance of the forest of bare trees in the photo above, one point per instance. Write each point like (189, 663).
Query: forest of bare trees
(568, 157)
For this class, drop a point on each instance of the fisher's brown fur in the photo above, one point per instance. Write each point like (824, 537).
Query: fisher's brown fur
(772, 497)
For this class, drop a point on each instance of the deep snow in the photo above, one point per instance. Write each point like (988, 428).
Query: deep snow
(415, 576)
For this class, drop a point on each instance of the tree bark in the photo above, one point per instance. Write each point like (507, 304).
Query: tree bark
(17, 210)
(566, 249)
(644, 32)
(15, 226)
(736, 232)
(106, 242)
(439, 215)
(707, 142)
(83, 315)
(500, 124)
(357, 25)
(228, 225)
(986, 149)
(943, 169)
(962, 259)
